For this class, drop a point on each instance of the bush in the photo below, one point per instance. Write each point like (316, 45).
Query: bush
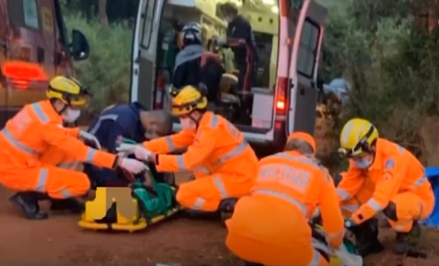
(107, 71)
(392, 65)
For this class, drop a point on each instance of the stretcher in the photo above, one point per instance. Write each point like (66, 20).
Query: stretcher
(131, 208)
(346, 255)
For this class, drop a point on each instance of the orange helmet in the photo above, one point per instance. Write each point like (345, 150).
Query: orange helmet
(303, 136)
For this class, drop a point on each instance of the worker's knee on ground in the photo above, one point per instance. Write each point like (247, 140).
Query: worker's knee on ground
(390, 211)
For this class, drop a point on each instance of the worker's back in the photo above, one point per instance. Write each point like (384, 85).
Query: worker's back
(292, 177)
(198, 68)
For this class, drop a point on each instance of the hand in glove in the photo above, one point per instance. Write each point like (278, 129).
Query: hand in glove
(138, 150)
(131, 165)
(88, 137)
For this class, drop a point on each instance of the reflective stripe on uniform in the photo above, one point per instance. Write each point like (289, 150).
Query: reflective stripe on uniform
(342, 193)
(214, 121)
(68, 165)
(42, 182)
(285, 197)
(198, 204)
(96, 127)
(90, 155)
(231, 154)
(16, 143)
(221, 188)
(375, 205)
(40, 113)
(351, 207)
(171, 146)
(202, 170)
(420, 182)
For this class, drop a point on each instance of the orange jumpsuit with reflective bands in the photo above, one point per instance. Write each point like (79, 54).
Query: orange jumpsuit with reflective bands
(394, 184)
(225, 165)
(36, 152)
(271, 227)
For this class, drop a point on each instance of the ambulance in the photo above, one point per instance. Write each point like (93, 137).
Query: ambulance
(289, 35)
(34, 47)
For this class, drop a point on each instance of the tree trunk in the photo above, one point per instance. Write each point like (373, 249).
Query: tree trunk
(103, 19)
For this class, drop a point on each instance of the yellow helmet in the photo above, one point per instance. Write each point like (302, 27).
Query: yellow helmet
(188, 100)
(69, 91)
(357, 136)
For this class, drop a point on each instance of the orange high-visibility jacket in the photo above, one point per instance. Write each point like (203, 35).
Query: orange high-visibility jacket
(33, 130)
(394, 170)
(299, 180)
(216, 147)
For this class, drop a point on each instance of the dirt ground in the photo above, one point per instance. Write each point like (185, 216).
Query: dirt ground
(60, 241)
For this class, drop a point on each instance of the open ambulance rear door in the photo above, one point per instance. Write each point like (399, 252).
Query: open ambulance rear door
(144, 51)
(307, 43)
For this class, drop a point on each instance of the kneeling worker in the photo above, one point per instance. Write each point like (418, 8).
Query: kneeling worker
(271, 227)
(382, 177)
(131, 121)
(35, 146)
(223, 163)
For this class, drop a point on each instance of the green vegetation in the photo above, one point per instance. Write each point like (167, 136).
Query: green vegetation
(108, 69)
(391, 60)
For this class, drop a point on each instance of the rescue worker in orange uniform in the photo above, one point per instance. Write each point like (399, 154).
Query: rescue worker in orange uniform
(382, 177)
(36, 150)
(223, 163)
(271, 227)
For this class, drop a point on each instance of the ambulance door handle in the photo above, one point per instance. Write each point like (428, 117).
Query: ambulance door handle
(40, 55)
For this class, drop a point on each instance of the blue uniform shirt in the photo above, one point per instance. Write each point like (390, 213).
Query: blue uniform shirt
(119, 120)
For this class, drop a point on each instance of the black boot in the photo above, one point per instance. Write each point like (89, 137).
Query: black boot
(366, 238)
(404, 242)
(201, 215)
(71, 205)
(226, 208)
(28, 204)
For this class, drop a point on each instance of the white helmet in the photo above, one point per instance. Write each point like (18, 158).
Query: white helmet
(191, 34)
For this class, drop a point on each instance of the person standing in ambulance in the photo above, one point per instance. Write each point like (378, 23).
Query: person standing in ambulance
(38, 155)
(195, 66)
(241, 40)
(271, 227)
(224, 164)
(382, 177)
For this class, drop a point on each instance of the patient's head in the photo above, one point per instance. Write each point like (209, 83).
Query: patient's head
(157, 123)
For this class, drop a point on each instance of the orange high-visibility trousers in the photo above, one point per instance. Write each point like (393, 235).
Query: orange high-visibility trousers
(206, 193)
(409, 207)
(56, 176)
(271, 231)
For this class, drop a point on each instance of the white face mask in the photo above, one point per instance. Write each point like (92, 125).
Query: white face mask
(187, 123)
(228, 19)
(364, 163)
(71, 115)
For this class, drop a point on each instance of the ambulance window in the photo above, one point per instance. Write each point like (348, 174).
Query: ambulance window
(308, 48)
(147, 24)
(24, 13)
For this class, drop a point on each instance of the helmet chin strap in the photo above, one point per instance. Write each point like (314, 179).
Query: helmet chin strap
(65, 106)
(197, 121)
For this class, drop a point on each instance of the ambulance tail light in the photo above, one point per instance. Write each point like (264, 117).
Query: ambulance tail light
(281, 98)
(159, 91)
